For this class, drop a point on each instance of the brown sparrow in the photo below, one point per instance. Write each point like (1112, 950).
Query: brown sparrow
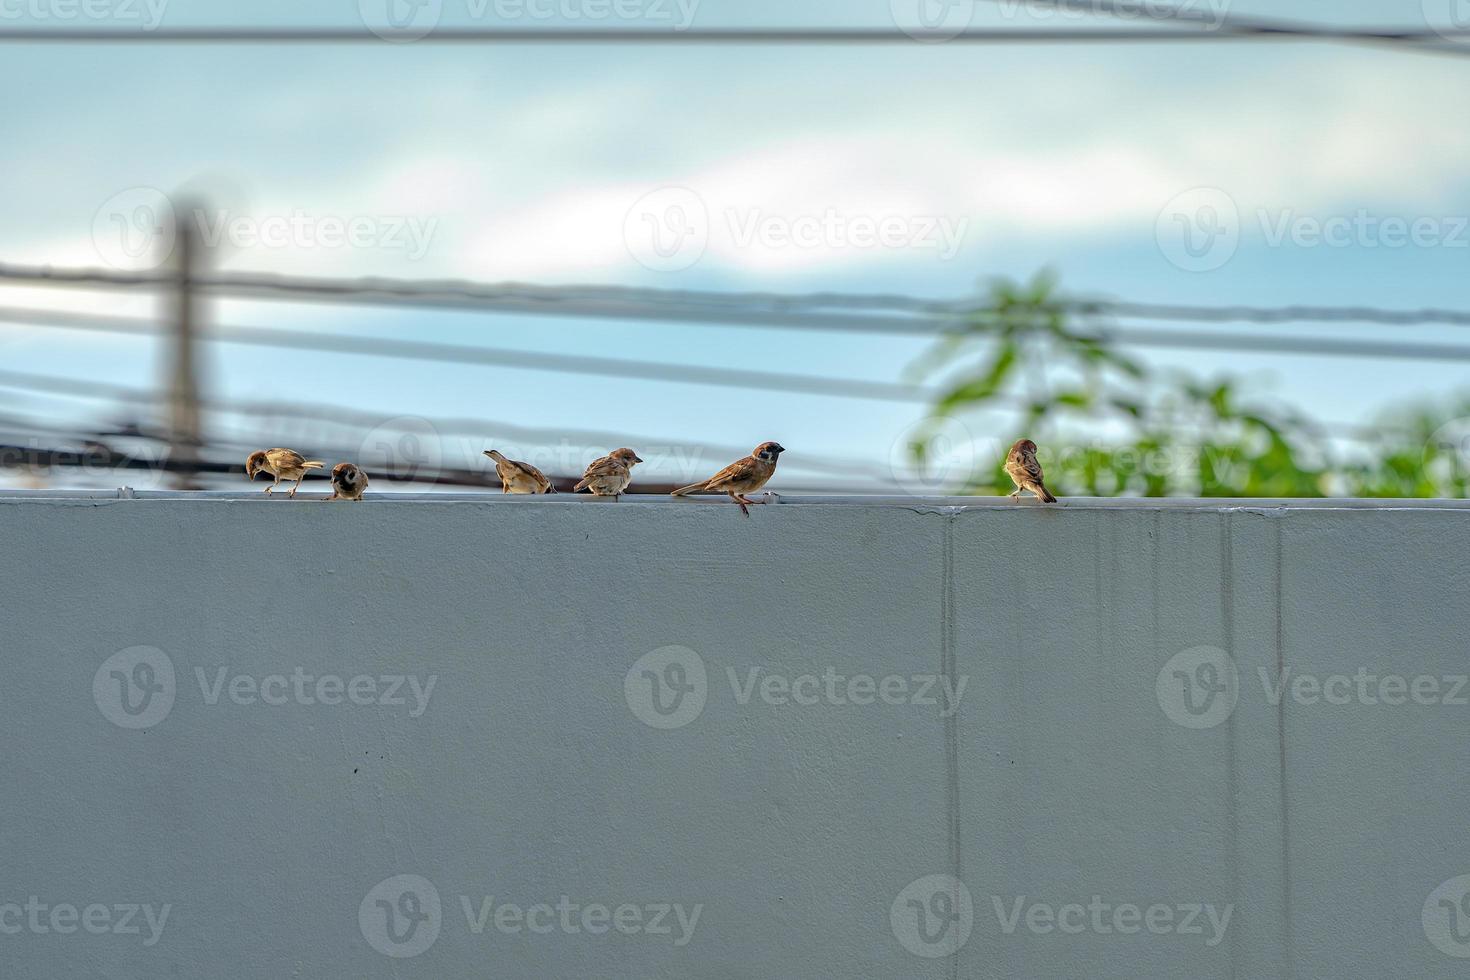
(610, 475)
(348, 482)
(283, 464)
(742, 477)
(1025, 471)
(519, 477)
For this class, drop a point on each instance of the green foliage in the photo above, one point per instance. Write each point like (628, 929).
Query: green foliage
(1109, 426)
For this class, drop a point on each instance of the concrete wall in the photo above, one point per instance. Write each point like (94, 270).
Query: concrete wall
(1079, 778)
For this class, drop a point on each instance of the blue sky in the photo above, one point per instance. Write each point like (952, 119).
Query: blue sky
(524, 164)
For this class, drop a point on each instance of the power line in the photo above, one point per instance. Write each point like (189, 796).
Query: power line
(1208, 20)
(717, 36)
(878, 313)
(498, 357)
(485, 429)
(721, 377)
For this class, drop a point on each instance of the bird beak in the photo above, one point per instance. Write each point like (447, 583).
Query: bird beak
(637, 459)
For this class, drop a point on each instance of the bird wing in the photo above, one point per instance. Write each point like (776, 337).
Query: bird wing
(285, 459)
(606, 466)
(526, 469)
(739, 473)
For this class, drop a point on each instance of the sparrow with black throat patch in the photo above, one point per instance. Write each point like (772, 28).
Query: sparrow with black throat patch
(1025, 471)
(742, 477)
(610, 475)
(348, 482)
(517, 477)
(283, 464)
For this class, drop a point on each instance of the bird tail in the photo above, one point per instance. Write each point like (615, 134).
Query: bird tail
(313, 464)
(581, 486)
(692, 488)
(550, 487)
(1046, 496)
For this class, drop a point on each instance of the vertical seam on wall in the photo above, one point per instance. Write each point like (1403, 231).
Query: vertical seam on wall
(1227, 609)
(951, 722)
(1286, 938)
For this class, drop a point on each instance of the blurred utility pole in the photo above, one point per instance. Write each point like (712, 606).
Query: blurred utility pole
(185, 431)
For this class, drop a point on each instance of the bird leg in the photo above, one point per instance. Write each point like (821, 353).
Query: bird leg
(292, 494)
(742, 500)
(272, 486)
(1016, 494)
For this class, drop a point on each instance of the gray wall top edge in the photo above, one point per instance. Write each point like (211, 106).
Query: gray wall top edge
(951, 504)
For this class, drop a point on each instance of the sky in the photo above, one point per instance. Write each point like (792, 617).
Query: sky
(758, 168)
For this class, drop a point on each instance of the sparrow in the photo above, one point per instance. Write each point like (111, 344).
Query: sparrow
(1025, 471)
(519, 477)
(610, 475)
(744, 476)
(283, 464)
(348, 482)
